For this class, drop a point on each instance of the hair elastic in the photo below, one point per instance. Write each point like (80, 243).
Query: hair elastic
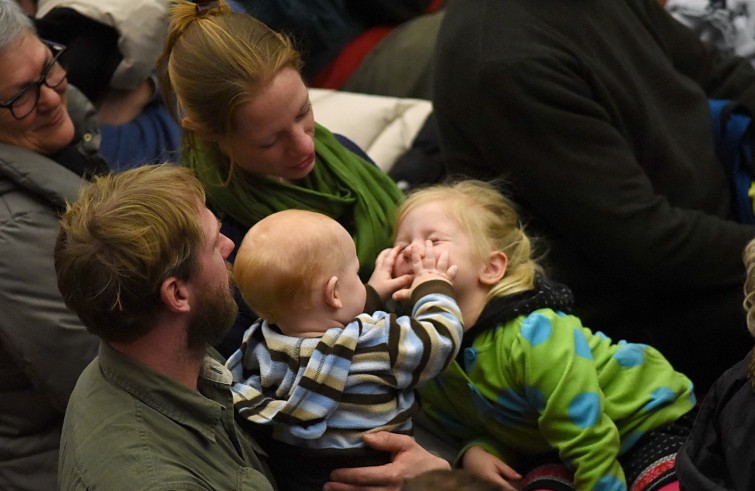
(205, 5)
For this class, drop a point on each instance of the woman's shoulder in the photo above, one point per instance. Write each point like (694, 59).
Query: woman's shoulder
(26, 176)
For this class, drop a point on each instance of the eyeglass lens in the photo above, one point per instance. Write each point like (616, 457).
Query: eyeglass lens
(52, 76)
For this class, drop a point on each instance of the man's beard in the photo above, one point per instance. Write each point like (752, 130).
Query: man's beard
(216, 311)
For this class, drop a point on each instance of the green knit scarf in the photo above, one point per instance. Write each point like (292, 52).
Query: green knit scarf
(342, 185)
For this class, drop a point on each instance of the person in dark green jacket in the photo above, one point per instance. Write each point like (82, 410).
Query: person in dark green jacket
(596, 114)
(141, 260)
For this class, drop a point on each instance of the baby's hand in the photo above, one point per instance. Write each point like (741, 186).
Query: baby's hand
(427, 268)
(382, 280)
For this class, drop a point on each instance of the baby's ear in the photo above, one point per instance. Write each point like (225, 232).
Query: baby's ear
(332, 296)
(494, 269)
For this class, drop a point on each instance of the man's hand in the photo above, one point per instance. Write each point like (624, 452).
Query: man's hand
(408, 459)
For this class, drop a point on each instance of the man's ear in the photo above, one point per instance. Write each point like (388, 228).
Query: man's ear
(494, 269)
(332, 297)
(175, 295)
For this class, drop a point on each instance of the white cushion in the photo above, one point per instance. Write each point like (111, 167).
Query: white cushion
(384, 127)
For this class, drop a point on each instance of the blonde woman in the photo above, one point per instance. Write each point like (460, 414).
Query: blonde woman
(250, 135)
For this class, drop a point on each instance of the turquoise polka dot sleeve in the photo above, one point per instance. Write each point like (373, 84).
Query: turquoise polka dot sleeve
(558, 364)
(543, 382)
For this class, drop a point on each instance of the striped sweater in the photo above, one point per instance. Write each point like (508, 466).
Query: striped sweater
(326, 392)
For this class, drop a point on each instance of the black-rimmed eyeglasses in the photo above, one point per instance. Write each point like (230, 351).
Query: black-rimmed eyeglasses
(23, 103)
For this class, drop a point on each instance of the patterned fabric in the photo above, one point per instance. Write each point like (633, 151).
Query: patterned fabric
(552, 477)
(326, 392)
(651, 463)
(540, 382)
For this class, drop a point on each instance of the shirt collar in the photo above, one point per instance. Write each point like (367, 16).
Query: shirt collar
(201, 411)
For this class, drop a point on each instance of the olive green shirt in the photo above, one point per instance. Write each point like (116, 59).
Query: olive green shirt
(128, 427)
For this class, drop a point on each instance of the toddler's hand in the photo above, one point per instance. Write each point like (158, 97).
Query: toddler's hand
(426, 268)
(489, 467)
(382, 280)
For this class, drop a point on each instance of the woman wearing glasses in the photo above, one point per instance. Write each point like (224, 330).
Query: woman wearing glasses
(48, 147)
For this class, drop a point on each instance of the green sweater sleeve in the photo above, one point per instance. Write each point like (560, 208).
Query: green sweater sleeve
(557, 364)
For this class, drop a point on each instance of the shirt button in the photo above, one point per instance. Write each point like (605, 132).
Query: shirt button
(87, 137)
(470, 354)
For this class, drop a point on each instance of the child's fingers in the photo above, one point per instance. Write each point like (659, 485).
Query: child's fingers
(384, 256)
(403, 280)
(417, 259)
(393, 254)
(451, 272)
(402, 295)
(429, 258)
(443, 261)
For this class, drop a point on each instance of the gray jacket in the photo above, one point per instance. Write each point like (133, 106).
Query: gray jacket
(43, 346)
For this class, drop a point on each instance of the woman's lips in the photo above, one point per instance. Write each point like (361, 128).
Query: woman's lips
(306, 162)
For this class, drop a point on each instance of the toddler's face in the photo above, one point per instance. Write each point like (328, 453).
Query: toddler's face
(430, 221)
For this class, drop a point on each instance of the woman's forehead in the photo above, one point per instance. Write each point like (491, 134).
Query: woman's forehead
(21, 62)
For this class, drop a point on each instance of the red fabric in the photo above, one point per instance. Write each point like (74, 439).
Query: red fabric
(547, 477)
(434, 5)
(651, 474)
(337, 72)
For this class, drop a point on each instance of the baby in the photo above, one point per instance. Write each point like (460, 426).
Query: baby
(315, 372)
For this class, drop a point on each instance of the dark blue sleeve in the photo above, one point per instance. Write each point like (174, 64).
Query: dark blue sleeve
(353, 147)
(152, 137)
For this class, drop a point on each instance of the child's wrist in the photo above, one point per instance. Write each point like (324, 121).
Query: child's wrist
(429, 276)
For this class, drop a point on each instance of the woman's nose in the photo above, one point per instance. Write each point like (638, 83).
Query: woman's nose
(304, 141)
(49, 98)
